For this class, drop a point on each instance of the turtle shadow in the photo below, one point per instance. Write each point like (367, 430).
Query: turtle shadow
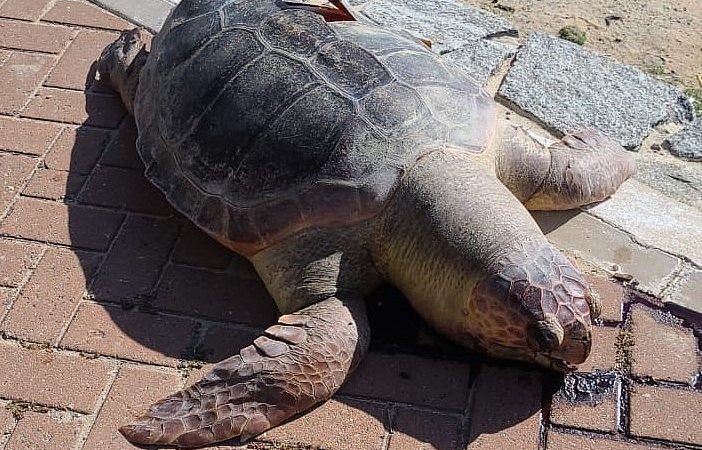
(174, 297)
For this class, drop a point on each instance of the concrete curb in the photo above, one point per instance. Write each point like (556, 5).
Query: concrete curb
(149, 14)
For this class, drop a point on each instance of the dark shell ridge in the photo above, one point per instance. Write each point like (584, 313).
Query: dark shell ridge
(258, 120)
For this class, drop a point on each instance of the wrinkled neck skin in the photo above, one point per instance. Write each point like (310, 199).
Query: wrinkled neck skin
(459, 245)
(449, 220)
(127, 82)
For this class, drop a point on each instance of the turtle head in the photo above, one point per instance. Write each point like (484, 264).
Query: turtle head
(533, 305)
(120, 63)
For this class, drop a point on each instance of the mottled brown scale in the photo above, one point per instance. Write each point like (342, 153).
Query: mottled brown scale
(334, 154)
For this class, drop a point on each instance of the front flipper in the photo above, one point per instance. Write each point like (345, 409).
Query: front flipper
(583, 168)
(301, 361)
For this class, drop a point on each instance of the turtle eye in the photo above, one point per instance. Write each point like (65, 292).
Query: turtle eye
(545, 335)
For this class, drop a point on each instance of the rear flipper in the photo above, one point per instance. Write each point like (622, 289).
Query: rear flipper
(302, 361)
(583, 168)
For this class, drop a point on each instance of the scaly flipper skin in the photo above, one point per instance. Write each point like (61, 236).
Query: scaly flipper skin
(583, 168)
(298, 363)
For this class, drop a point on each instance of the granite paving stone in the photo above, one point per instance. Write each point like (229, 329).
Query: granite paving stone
(568, 87)
(481, 58)
(449, 24)
(687, 143)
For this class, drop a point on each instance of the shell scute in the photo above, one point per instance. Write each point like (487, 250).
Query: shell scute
(258, 120)
(185, 38)
(296, 31)
(247, 13)
(393, 107)
(351, 68)
(217, 63)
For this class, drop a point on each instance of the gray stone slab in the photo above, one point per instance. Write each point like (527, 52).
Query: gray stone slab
(148, 13)
(689, 294)
(449, 24)
(687, 143)
(481, 58)
(654, 220)
(568, 87)
(605, 246)
(678, 179)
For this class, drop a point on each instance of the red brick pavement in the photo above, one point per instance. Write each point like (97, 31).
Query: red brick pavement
(110, 300)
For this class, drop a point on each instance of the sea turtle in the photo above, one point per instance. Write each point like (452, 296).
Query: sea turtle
(333, 154)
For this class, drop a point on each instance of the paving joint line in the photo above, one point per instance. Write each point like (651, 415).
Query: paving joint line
(636, 241)
(100, 402)
(89, 285)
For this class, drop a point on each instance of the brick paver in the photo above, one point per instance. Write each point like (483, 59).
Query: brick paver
(611, 295)
(73, 225)
(126, 290)
(604, 350)
(40, 313)
(419, 430)
(27, 136)
(336, 425)
(75, 63)
(137, 336)
(34, 36)
(136, 259)
(24, 9)
(78, 13)
(43, 430)
(505, 410)
(87, 108)
(14, 172)
(196, 248)
(52, 378)
(133, 390)
(560, 441)
(121, 151)
(114, 187)
(411, 379)
(664, 413)
(664, 351)
(15, 260)
(217, 296)
(599, 414)
(21, 73)
(77, 149)
(54, 185)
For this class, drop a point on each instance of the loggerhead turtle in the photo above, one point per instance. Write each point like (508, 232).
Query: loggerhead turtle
(334, 154)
